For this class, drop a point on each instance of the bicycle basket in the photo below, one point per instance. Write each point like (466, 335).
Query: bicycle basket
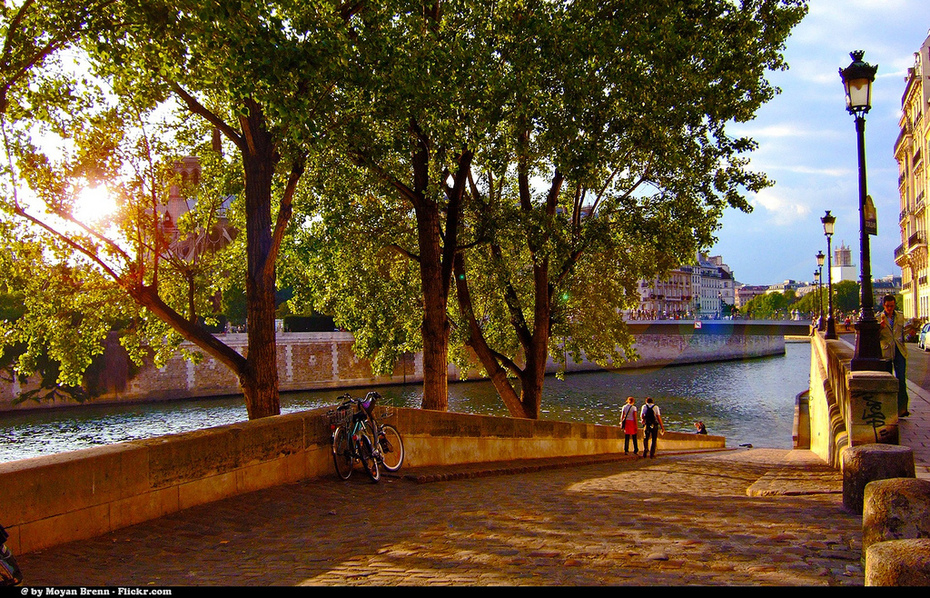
(339, 417)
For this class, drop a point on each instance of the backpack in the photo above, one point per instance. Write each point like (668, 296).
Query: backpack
(649, 417)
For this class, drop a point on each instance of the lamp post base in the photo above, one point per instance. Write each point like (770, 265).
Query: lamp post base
(868, 355)
(830, 329)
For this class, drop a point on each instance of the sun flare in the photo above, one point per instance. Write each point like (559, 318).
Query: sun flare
(94, 204)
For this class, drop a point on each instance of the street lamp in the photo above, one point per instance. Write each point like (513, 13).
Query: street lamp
(828, 222)
(857, 79)
(821, 324)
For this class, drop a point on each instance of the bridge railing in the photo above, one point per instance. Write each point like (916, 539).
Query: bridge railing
(847, 408)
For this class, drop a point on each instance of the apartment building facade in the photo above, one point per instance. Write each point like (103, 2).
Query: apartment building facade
(910, 151)
(694, 290)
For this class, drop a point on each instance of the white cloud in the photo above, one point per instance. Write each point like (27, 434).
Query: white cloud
(782, 210)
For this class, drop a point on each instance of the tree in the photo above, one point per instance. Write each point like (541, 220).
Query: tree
(573, 169)
(768, 306)
(846, 296)
(34, 30)
(257, 75)
(415, 109)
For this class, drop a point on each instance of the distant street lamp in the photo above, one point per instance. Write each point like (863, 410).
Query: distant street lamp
(828, 222)
(821, 324)
(857, 79)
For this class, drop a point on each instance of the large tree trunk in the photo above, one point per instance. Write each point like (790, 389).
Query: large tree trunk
(537, 353)
(259, 382)
(435, 327)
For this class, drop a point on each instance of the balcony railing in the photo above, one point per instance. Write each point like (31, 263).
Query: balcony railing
(918, 238)
(903, 215)
(899, 251)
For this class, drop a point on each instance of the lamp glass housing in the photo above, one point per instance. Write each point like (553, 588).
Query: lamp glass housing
(858, 94)
(857, 80)
(828, 222)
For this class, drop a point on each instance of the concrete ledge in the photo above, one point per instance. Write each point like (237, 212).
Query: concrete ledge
(898, 563)
(72, 496)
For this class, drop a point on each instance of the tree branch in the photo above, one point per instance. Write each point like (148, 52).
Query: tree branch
(197, 108)
(284, 215)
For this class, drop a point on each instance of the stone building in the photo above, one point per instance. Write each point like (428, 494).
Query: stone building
(693, 290)
(910, 151)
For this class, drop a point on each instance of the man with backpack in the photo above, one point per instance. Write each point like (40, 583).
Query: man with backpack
(652, 423)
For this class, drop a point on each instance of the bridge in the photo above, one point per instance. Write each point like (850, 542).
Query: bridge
(722, 327)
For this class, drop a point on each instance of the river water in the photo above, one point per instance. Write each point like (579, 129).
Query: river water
(749, 402)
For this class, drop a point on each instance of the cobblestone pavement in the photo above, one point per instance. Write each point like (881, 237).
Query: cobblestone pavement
(673, 520)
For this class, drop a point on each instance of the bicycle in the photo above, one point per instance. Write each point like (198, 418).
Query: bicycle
(389, 450)
(352, 439)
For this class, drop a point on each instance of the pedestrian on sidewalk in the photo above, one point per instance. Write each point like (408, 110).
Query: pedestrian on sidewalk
(628, 421)
(651, 418)
(891, 335)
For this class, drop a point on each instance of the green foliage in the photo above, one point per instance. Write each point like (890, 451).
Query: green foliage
(600, 156)
(349, 262)
(847, 296)
(563, 150)
(768, 306)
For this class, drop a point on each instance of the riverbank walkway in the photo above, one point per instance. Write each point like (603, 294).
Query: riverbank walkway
(729, 517)
(674, 520)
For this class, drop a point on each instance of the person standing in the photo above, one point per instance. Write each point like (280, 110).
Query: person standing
(651, 418)
(628, 421)
(891, 335)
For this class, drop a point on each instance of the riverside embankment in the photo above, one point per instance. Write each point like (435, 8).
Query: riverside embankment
(81, 494)
(309, 361)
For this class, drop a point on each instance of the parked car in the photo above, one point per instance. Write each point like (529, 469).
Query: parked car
(922, 337)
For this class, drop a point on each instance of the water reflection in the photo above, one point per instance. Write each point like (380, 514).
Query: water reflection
(747, 401)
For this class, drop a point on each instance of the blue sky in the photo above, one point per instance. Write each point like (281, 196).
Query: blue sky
(807, 143)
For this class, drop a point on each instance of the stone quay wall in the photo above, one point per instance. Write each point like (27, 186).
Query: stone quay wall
(55, 499)
(321, 360)
(847, 408)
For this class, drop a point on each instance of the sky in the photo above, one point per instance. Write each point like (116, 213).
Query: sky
(807, 144)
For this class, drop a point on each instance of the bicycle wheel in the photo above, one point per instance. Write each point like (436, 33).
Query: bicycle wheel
(342, 453)
(366, 454)
(392, 448)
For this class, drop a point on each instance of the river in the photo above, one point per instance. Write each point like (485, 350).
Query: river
(749, 402)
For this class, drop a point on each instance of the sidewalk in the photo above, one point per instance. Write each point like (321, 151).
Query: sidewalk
(733, 517)
(915, 430)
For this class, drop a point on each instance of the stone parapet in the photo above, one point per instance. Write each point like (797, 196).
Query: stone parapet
(847, 408)
(55, 499)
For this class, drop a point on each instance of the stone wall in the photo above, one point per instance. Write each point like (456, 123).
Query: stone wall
(847, 408)
(319, 360)
(55, 499)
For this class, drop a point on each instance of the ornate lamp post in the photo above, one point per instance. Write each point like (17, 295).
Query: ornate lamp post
(821, 324)
(857, 79)
(828, 222)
